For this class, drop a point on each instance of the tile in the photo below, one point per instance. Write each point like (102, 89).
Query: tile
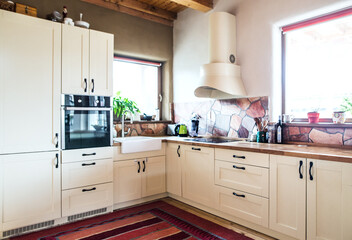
(335, 130)
(223, 122)
(219, 132)
(299, 138)
(243, 132)
(294, 130)
(243, 103)
(235, 122)
(217, 106)
(230, 110)
(232, 133)
(325, 138)
(256, 110)
(248, 123)
(304, 130)
(348, 134)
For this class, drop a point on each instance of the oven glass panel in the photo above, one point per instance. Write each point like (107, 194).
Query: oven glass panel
(85, 129)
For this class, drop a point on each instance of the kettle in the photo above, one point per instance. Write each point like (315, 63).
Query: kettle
(181, 130)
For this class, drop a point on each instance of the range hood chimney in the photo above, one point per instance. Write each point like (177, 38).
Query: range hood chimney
(221, 78)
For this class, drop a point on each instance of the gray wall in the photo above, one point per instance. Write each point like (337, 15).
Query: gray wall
(134, 36)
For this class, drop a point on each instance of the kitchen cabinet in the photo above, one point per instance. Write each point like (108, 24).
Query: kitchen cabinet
(329, 200)
(87, 176)
(30, 185)
(30, 77)
(288, 195)
(138, 178)
(198, 175)
(242, 180)
(174, 155)
(87, 59)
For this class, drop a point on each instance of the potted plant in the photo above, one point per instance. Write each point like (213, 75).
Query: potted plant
(313, 117)
(121, 105)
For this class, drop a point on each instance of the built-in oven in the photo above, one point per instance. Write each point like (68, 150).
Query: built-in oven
(86, 121)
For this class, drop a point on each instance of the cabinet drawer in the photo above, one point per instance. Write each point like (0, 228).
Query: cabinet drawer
(78, 155)
(245, 206)
(85, 199)
(79, 174)
(242, 177)
(250, 158)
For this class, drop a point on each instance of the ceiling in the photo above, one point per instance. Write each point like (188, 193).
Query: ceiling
(161, 11)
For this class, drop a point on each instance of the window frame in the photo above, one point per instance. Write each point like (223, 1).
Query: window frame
(297, 25)
(159, 65)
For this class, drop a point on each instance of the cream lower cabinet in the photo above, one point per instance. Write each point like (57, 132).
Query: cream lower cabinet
(30, 189)
(174, 155)
(329, 200)
(198, 175)
(288, 195)
(138, 178)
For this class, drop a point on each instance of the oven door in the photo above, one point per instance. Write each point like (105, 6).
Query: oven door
(86, 127)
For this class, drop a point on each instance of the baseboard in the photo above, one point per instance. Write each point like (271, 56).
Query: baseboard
(139, 201)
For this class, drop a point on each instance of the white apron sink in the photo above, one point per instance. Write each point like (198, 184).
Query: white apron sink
(138, 144)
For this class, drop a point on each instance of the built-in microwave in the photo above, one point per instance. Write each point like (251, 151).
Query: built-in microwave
(86, 121)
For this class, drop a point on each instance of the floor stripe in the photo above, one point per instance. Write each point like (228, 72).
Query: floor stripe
(160, 234)
(178, 236)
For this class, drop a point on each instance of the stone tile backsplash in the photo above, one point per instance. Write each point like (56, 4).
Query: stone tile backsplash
(231, 117)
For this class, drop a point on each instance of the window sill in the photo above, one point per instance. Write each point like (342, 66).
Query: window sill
(144, 121)
(321, 124)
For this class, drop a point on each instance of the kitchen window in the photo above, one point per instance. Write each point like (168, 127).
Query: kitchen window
(139, 81)
(317, 72)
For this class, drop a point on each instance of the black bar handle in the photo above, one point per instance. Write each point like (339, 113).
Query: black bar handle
(88, 164)
(57, 140)
(196, 149)
(143, 166)
(300, 169)
(93, 85)
(57, 161)
(178, 151)
(239, 195)
(85, 85)
(241, 168)
(139, 167)
(88, 190)
(237, 156)
(88, 154)
(310, 171)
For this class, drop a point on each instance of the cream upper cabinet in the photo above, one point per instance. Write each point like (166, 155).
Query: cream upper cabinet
(288, 195)
(75, 60)
(31, 190)
(87, 59)
(198, 175)
(30, 75)
(174, 154)
(329, 200)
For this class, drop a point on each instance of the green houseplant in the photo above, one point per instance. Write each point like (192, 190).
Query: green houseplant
(121, 105)
(346, 106)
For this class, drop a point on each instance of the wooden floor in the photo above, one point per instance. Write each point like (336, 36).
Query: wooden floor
(222, 222)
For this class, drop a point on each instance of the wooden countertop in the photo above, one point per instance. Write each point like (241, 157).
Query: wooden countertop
(305, 151)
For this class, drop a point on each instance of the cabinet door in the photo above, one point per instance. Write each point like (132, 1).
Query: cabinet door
(288, 195)
(198, 175)
(127, 180)
(153, 176)
(101, 60)
(173, 168)
(30, 189)
(329, 200)
(75, 60)
(30, 76)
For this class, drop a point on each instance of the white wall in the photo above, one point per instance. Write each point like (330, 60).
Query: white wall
(258, 43)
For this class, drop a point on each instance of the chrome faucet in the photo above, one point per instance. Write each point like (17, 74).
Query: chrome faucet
(123, 123)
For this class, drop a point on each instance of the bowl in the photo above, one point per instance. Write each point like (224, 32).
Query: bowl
(82, 24)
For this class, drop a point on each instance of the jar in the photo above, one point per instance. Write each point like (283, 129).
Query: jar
(271, 134)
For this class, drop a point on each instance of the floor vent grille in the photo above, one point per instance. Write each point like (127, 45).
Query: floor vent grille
(21, 230)
(86, 214)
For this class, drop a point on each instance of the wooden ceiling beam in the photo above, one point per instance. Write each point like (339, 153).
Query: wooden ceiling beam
(132, 12)
(200, 5)
(144, 7)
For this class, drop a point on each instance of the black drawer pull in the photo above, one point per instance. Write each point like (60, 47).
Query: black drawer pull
(88, 190)
(196, 149)
(239, 195)
(143, 166)
(88, 164)
(57, 160)
(241, 168)
(178, 151)
(237, 156)
(300, 169)
(88, 154)
(139, 167)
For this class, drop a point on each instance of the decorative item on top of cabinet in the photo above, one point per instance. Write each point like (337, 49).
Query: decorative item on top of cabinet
(87, 58)
(27, 10)
(7, 5)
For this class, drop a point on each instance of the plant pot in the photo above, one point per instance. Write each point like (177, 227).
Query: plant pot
(313, 117)
(338, 117)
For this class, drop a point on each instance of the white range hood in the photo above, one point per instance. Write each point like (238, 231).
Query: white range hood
(221, 78)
